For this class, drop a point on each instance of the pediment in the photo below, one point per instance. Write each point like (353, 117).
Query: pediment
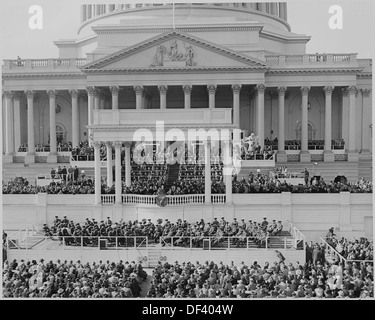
(174, 50)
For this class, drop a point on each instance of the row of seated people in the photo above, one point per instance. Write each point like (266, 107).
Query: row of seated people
(269, 183)
(263, 183)
(61, 147)
(189, 185)
(178, 233)
(148, 171)
(276, 280)
(351, 249)
(67, 279)
(85, 152)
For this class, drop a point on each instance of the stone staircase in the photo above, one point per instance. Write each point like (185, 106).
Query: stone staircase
(365, 167)
(153, 255)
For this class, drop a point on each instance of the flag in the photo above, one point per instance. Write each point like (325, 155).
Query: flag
(161, 199)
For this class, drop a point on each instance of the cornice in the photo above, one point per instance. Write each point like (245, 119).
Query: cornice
(311, 70)
(126, 29)
(271, 36)
(174, 69)
(43, 75)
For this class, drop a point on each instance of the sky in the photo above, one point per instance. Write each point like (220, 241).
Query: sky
(61, 20)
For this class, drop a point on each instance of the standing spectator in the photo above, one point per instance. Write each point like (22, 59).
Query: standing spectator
(75, 174)
(70, 173)
(306, 175)
(53, 172)
(64, 173)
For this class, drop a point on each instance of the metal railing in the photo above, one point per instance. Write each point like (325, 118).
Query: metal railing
(84, 242)
(29, 241)
(224, 242)
(264, 156)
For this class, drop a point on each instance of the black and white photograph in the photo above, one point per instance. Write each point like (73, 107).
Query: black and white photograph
(186, 157)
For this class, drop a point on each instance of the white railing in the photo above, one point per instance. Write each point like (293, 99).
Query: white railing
(44, 63)
(108, 199)
(341, 58)
(176, 200)
(218, 198)
(272, 59)
(294, 59)
(298, 236)
(311, 59)
(138, 199)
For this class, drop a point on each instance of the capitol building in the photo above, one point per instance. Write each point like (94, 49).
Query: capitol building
(229, 67)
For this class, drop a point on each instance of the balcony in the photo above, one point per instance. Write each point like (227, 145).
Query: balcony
(313, 60)
(22, 65)
(169, 116)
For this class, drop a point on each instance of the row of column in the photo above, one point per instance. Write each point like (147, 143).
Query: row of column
(12, 100)
(94, 96)
(118, 181)
(13, 139)
(227, 170)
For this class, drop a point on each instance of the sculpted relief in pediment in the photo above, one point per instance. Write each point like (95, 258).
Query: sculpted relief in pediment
(174, 53)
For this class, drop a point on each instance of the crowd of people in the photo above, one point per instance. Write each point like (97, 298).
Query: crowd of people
(277, 280)
(85, 152)
(254, 183)
(178, 233)
(68, 279)
(271, 183)
(351, 249)
(21, 185)
(61, 147)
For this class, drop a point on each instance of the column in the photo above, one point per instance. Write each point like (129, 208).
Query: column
(211, 95)
(118, 185)
(236, 111)
(75, 117)
(9, 142)
(305, 155)
(352, 152)
(260, 88)
(328, 154)
(17, 120)
(98, 185)
(52, 157)
(207, 173)
(127, 164)
(227, 172)
(109, 163)
(30, 127)
(345, 116)
(366, 121)
(163, 96)
(115, 91)
(138, 96)
(281, 155)
(90, 109)
(187, 95)
(96, 99)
